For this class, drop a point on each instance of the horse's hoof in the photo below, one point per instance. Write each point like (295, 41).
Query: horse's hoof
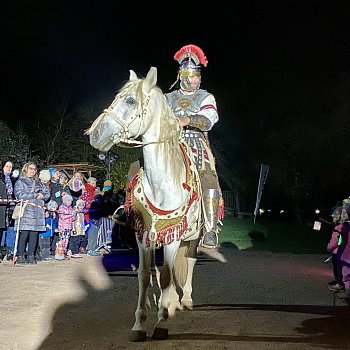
(160, 334)
(136, 336)
(187, 304)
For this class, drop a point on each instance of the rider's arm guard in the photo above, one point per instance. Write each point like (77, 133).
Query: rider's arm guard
(200, 122)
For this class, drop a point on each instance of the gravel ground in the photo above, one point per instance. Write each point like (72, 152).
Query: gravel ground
(257, 300)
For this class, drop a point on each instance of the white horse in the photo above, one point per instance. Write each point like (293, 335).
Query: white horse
(164, 203)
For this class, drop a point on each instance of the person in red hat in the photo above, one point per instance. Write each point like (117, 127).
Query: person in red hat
(197, 113)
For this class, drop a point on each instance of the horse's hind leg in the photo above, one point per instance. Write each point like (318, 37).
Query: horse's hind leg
(138, 332)
(186, 299)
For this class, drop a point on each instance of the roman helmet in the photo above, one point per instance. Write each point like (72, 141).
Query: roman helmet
(190, 58)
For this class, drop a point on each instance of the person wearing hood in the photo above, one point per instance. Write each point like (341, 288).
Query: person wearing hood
(66, 219)
(45, 177)
(79, 228)
(46, 237)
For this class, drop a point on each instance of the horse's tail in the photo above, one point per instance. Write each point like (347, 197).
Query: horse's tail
(180, 267)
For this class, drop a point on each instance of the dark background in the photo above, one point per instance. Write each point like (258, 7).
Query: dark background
(255, 49)
(272, 64)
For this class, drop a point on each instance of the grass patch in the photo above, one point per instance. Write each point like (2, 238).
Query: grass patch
(273, 236)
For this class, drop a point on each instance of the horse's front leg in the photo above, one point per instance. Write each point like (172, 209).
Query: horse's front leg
(169, 299)
(186, 300)
(138, 332)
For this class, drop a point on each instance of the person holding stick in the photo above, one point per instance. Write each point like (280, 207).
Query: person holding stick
(28, 188)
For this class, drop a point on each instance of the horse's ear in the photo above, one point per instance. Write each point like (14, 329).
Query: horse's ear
(133, 75)
(150, 80)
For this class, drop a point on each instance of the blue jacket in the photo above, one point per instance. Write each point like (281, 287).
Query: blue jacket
(52, 222)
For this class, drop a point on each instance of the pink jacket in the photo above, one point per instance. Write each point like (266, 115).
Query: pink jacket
(65, 217)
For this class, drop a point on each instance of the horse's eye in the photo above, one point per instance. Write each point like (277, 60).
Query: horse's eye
(130, 101)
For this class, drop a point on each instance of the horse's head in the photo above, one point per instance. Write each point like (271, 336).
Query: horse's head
(125, 119)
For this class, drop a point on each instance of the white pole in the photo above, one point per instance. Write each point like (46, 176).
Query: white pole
(14, 258)
(264, 170)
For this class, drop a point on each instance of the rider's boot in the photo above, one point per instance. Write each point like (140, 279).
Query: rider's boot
(211, 207)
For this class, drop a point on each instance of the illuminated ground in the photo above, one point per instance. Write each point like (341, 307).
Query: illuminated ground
(257, 300)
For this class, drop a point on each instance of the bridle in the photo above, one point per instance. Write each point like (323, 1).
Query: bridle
(123, 137)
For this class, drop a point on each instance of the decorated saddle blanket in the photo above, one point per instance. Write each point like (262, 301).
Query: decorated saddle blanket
(165, 226)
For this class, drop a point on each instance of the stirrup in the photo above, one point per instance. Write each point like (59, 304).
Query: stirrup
(210, 240)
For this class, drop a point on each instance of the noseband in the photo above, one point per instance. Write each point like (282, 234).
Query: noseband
(123, 134)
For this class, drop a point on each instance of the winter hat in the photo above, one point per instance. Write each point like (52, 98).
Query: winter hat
(52, 171)
(67, 198)
(52, 205)
(80, 202)
(44, 175)
(63, 175)
(15, 173)
(76, 184)
(107, 185)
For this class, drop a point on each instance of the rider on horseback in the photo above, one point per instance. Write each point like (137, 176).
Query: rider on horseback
(196, 111)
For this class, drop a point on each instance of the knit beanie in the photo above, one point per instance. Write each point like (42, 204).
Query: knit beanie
(107, 185)
(52, 171)
(52, 205)
(44, 175)
(67, 198)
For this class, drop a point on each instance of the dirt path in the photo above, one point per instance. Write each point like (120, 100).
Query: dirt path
(256, 300)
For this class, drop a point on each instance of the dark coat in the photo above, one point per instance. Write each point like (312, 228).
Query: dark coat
(56, 190)
(10, 205)
(3, 195)
(33, 217)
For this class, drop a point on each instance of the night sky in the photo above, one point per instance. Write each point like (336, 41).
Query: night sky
(255, 50)
(272, 64)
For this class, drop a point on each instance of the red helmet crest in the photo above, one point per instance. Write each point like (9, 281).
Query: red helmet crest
(193, 52)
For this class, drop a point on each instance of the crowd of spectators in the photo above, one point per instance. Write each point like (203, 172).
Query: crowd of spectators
(62, 218)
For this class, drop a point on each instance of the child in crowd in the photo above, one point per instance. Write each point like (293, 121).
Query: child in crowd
(44, 177)
(65, 226)
(51, 227)
(78, 229)
(64, 183)
(76, 187)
